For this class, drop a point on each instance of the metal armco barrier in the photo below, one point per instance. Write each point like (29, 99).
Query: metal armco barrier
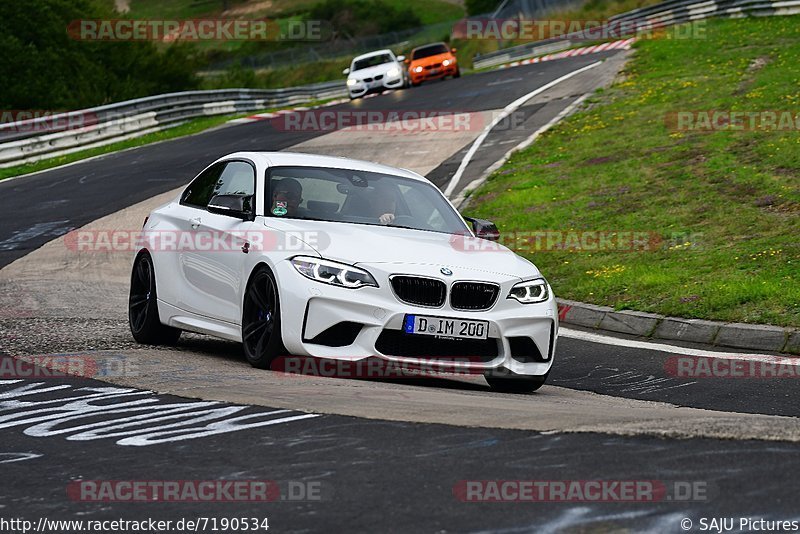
(32, 140)
(654, 17)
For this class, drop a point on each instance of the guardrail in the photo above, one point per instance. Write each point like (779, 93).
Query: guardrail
(524, 51)
(23, 141)
(653, 17)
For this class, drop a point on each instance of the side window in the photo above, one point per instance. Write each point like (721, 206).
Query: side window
(231, 178)
(201, 189)
(238, 178)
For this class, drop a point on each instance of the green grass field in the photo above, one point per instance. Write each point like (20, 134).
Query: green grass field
(725, 203)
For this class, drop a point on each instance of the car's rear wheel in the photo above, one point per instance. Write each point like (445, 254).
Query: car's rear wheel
(261, 320)
(516, 383)
(143, 318)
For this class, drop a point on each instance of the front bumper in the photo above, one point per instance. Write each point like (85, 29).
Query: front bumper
(362, 88)
(522, 337)
(433, 74)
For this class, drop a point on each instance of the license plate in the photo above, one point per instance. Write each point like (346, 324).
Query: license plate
(434, 71)
(445, 327)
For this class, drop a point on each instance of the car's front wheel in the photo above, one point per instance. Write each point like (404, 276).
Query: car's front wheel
(143, 318)
(516, 383)
(261, 320)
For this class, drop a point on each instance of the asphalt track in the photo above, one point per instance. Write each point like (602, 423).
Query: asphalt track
(383, 469)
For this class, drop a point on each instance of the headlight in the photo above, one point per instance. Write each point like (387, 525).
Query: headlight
(446, 62)
(393, 72)
(417, 69)
(530, 292)
(351, 81)
(331, 272)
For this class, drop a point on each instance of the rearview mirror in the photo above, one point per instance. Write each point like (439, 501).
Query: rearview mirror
(454, 50)
(239, 206)
(346, 71)
(484, 229)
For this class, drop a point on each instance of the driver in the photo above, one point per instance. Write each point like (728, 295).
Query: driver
(287, 194)
(385, 204)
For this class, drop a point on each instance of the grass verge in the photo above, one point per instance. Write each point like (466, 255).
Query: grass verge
(724, 205)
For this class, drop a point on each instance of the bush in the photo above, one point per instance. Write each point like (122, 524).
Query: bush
(479, 7)
(364, 17)
(44, 68)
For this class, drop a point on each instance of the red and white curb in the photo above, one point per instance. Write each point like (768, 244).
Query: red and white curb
(272, 115)
(624, 44)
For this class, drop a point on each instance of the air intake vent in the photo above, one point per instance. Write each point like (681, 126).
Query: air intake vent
(397, 343)
(419, 291)
(473, 295)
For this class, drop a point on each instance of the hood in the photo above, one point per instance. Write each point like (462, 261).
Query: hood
(366, 244)
(371, 72)
(438, 58)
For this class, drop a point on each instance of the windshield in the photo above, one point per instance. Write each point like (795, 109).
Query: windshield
(371, 61)
(430, 50)
(359, 197)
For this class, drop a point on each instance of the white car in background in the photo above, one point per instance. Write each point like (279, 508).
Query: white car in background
(375, 72)
(340, 259)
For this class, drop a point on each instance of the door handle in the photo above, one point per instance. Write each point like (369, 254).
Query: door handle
(195, 222)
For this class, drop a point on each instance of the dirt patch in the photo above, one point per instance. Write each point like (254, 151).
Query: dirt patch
(598, 160)
(756, 65)
(248, 8)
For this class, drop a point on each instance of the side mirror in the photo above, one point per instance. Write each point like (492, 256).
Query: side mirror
(401, 58)
(239, 206)
(407, 61)
(346, 71)
(484, 229)
(454, 50)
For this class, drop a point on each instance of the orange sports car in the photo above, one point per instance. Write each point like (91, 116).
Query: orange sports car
(432, 61)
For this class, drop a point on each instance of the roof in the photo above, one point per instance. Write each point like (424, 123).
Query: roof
(280, 159)
(375, 53)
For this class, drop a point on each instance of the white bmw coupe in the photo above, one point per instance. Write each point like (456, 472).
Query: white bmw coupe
(334, 258)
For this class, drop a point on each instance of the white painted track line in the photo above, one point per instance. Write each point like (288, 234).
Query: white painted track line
(672, 349)
(505, 113)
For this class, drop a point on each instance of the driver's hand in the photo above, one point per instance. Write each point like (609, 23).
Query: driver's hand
(386, 218)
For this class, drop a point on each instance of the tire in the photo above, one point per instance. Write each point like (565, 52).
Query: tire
(415, 84)
(261, 320)
(457, 74)
(143, 319)
(516, 383)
